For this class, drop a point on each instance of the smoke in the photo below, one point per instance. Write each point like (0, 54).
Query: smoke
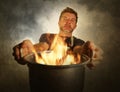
(93, 23)
(30, 20)
(99, 22)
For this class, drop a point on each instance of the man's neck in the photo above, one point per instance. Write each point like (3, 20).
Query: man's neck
(65, 34)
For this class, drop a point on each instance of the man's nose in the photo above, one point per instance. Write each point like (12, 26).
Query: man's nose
(68, 21)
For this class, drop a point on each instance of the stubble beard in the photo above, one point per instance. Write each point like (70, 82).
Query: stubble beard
(66, 32)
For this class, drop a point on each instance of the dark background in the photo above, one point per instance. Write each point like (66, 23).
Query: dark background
(99, 21)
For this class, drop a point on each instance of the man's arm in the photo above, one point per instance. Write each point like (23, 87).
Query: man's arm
(89, 49)
(25, 48)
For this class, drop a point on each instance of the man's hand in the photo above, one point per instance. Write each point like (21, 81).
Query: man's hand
(96, 54)
(90, 50)
(21, 50)
(97, 51)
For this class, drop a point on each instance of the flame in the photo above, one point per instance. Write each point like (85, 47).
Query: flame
(57, 55)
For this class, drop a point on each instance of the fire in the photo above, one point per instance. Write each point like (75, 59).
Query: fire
(57, 55)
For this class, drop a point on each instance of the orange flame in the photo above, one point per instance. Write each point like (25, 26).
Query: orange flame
(58, 54)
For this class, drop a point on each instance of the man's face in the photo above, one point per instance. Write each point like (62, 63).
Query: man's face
(67, 22)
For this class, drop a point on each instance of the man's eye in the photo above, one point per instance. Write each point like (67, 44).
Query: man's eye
(64, 18)
(73, 20)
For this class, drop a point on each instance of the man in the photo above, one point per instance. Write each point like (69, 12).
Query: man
(67, 23)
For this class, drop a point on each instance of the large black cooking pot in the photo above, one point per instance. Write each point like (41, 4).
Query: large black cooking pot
(48, 78)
